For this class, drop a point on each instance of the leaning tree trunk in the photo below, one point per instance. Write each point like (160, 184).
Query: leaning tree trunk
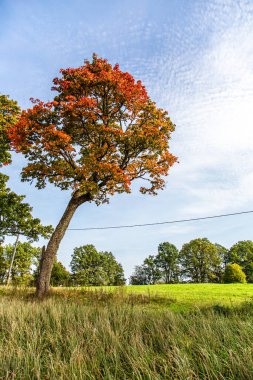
(49, 254)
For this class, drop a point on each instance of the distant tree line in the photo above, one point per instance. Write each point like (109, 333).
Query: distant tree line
(89, 267)
(198, 261)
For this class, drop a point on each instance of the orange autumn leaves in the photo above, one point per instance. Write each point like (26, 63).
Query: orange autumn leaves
(99, 133)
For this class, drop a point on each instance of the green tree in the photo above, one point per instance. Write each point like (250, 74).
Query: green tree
(15, 215)
(223, 253)
(90, 267)
(60, 275)
(146, 274)
(167, 262)
(242, 253)
(26, 257)
(218, 272)
(200, 261)
(86, 266)
(151, 270)
(113, 269)
(139, 277)
(9, 112)
(234, 273)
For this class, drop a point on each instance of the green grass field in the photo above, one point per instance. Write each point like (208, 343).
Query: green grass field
(198, 295)
(185, 331)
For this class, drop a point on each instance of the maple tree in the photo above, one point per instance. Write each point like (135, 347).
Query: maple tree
(99, 133)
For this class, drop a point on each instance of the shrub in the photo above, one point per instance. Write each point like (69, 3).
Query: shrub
(234, 273)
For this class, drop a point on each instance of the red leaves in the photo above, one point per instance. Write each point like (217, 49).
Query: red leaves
(98, 134)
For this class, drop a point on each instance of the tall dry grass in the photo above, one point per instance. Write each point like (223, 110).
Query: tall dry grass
(118, 339)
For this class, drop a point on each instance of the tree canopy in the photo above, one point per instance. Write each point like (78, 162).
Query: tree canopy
(200, 260)
(16, 216)
(90, 267)
(167, 261)
(9, 112)
(151, 270)
(241, 253)
(162, 267)
(139, 276)
(234, 273)
(60, 275)
(98, 134)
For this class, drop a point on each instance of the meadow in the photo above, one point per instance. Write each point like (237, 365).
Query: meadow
(184, 331)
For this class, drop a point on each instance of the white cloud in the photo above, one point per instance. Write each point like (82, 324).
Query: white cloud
(215, 131)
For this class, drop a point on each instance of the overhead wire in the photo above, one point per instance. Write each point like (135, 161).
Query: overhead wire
(160, 223)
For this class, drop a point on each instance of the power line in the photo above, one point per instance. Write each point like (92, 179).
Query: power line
(159, 223)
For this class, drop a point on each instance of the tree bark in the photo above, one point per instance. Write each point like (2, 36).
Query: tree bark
(49, 254)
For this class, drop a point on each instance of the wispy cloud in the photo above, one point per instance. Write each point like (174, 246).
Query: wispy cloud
(215, 131)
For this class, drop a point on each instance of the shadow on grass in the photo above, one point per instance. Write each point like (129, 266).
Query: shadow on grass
(243, 310)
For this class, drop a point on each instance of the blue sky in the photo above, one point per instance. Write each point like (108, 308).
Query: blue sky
(196, 60)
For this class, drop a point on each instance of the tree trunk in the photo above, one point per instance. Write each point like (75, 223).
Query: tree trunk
(49, 254)
(12, 261)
